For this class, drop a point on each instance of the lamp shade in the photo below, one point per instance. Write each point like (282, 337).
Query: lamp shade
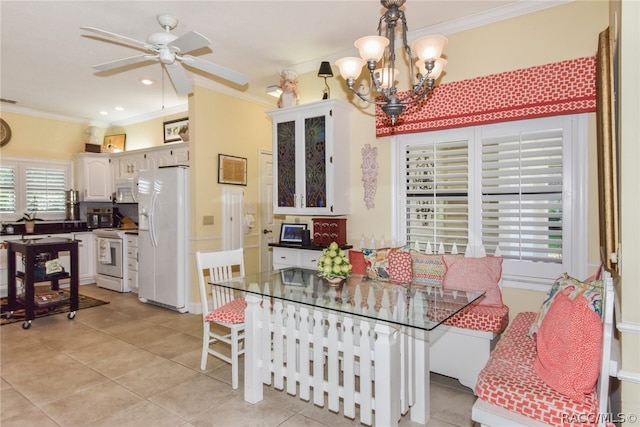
(350, 67)
(371, 48)
(429, 47)
(438, 66)
(386, 77)
(325, 70)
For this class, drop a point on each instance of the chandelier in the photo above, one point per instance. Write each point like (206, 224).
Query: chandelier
(373, 49)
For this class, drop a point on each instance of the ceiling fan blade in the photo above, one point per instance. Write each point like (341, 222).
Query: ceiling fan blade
(215, 69)
(117, 37)
(123, 62)
(190, 41)
(179, 78)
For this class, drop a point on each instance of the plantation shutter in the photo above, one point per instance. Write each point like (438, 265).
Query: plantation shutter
(522, 182)
(436, 190)
(7, 189)
(44, 189)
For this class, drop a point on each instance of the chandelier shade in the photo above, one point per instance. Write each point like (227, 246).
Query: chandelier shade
(429, 48)
(378, 53)
(371, 48)
(350, 67)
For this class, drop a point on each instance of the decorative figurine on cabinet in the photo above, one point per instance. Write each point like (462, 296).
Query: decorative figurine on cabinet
(289, 86)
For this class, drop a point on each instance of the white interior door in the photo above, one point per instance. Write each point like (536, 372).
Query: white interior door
(269, 226)
(233, 200)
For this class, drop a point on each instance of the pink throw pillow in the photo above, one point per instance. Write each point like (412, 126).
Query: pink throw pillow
(400, 267)
(474, 274)
(569, 345)
(356, 259)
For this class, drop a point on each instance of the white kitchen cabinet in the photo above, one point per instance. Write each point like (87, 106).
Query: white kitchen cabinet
(128, 164)
(86, 257)
(93, 176)
(132, 262)
(311, 145)
(294, 257)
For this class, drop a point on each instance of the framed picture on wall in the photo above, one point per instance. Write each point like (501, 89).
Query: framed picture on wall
(176, 130)
(114, 143)
(232, 170)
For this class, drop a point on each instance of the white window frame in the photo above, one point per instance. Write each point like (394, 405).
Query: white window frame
(517, 274)
(21, 164)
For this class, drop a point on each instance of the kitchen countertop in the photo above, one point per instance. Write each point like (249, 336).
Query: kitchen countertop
(46, 227)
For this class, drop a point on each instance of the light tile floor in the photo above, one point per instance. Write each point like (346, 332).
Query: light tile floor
(133, 364)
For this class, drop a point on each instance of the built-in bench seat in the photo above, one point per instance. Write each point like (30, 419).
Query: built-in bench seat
(511, 393)
(461, 347)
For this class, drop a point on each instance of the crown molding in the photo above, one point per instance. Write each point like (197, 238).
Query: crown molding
(52, 116)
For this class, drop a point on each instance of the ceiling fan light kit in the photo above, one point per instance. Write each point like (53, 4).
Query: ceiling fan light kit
(171, 51)
(373, 49)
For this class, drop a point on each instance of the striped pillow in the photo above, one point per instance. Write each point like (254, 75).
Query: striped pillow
(427, 269)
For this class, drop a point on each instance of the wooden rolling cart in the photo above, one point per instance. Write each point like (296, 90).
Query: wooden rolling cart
(32, 251)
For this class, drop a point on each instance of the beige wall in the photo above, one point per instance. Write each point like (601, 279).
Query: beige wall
(221, 124)
(145, 134)
(43, 138)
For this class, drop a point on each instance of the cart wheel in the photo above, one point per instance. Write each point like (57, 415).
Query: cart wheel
(71, 315)
(26, 324)
(8, 315)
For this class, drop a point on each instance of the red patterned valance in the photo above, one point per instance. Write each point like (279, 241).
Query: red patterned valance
(565, 87)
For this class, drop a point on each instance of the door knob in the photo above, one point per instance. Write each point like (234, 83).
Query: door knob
(265, 231)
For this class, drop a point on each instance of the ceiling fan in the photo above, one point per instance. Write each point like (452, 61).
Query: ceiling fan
(171, 51)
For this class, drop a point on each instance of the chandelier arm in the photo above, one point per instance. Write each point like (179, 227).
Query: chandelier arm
(420, 90)
(374, 102)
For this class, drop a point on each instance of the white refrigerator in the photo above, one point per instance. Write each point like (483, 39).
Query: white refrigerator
(163, 230)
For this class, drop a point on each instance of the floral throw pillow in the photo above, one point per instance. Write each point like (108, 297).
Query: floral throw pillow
(592, 291)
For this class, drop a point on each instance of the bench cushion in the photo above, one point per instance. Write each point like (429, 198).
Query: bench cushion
(481, 318)
(508, 380)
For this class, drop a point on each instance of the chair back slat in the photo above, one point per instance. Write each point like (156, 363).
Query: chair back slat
(219, 266)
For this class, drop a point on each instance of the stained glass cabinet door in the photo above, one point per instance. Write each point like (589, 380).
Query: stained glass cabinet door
(311, 159)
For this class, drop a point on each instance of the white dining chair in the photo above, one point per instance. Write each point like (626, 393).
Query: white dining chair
(226, 309)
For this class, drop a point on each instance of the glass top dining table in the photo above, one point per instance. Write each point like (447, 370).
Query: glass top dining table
(414, 305)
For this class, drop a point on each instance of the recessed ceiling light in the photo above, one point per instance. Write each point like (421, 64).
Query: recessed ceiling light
(147, 81)
(104, 113)
(118, 108)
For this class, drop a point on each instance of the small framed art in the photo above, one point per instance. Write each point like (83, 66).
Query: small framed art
(176, 130)
(114, 143)
(232, 170)
(292, 233)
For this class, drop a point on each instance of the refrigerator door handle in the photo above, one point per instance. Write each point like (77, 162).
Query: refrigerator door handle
(152, 219)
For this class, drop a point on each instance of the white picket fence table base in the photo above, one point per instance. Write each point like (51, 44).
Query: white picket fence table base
(378, 370)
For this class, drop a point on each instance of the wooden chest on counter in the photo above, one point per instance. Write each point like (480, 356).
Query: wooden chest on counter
(327, 230)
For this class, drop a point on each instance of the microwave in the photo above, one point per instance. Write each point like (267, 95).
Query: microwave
(99, 218)
(126, 190)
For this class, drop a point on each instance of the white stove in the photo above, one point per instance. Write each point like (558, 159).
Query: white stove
(111, 252)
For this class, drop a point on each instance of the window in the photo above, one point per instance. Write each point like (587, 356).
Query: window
(33, 185)
(517, 186)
